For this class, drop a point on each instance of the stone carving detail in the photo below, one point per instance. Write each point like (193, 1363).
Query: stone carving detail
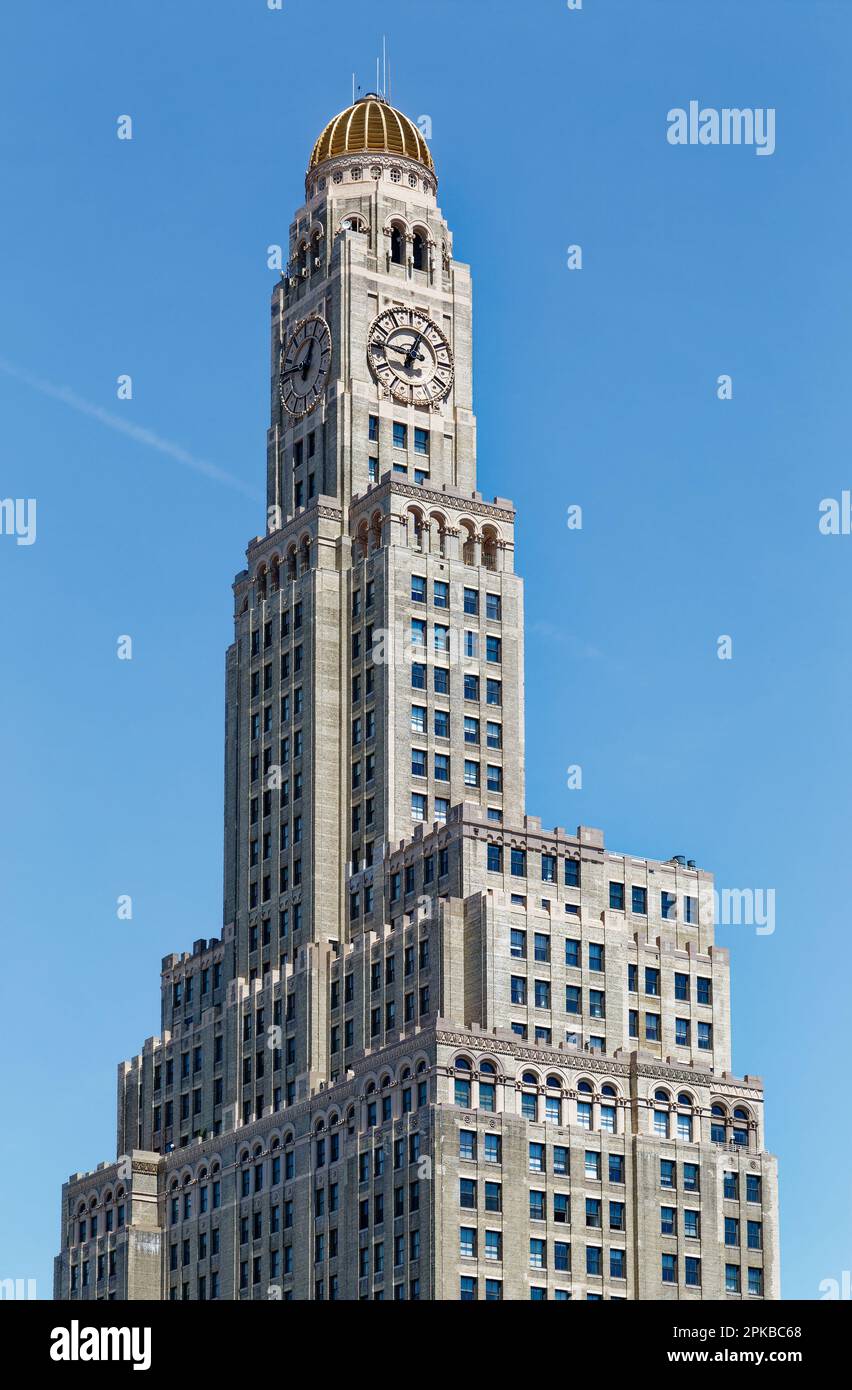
(444, 499)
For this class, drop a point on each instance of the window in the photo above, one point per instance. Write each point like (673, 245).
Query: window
(536, 1158)
(538, 1253)
(471, 774)
(669, 1269)
(753, 1187)
(755, 1282)
(493, 649)
(421, 441)
(705, 1037)
(616, 897)
(690, 910)
(467, 1289)
(667, 1173)
(418, 719)
(493, 734)
(529, 1105)
(493, 608)
(467, 1242)
(518, 939)
(692, 1224)
(704, 990)
(400, 431)
(668, 906)
(732, 1279)
(692, 1271)
(731, 1187)
(541, 946)
(462, 1091)
(617, 1264)
(518, 863)
(441, 593)
(493, 1196)
(667, 1221)
(418, 588)
(467, 1193)
(639, 901)
(572, 952)
(493, 1149)
(493, 1245)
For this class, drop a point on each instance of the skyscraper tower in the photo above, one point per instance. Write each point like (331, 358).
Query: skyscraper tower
(437, 1052)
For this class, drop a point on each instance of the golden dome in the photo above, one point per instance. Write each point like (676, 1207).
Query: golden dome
(371, 125)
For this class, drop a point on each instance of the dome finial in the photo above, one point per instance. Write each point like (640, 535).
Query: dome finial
(371, 124)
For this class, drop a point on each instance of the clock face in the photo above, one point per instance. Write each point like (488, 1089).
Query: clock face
(410, 357)
(304, 365)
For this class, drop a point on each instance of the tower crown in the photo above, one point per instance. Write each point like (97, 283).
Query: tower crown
(371, 126)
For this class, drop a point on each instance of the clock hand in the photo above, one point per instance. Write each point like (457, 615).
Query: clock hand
(307, 360)
(411, 351)
(403, 352)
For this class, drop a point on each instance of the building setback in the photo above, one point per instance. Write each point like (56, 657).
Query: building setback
(437, 1052)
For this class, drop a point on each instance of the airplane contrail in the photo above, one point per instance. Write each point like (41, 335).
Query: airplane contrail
(137, 432)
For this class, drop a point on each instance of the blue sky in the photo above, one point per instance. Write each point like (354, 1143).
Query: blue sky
(148, 257)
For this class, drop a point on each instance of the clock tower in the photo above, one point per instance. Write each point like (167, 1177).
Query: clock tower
(371, 274)
(431, 1029)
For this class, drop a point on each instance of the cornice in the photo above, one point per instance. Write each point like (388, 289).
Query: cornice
(366, 160)
(434, 498)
